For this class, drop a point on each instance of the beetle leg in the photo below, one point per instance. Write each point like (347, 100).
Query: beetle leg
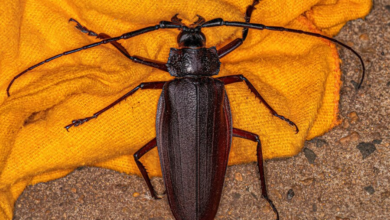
(220, 22)
(149, 146)
(239, 78)
(237, 42)
(161, 25)
(136, 59)
(254, 137)
(147, 85)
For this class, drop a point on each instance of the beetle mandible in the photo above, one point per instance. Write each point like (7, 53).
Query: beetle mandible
(193, 122)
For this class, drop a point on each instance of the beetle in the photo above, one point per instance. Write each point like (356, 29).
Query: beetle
(194, 126)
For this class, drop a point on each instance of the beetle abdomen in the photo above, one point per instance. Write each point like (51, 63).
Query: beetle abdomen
(194, 131)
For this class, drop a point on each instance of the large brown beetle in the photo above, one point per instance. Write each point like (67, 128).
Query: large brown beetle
(193, 123)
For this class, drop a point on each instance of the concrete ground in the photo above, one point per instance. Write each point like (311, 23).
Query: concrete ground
(341, 175)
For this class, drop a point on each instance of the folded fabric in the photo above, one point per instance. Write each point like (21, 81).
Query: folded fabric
(297, 75)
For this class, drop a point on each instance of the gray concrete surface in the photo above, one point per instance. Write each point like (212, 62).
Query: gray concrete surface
(341, 175)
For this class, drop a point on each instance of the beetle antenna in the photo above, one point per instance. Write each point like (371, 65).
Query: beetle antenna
(162, 25)
(221, 22)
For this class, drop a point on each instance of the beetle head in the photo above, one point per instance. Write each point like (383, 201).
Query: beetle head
(191, 37)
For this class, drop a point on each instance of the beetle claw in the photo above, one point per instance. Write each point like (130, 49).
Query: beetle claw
(272, 206)
(288, 121)
(82, 28)
(155, 195)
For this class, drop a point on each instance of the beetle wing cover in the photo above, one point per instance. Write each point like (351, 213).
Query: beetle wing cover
(194, 132)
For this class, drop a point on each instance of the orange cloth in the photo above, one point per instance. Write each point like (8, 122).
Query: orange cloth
(297, 75)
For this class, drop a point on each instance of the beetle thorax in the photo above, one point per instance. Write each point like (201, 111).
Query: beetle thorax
(189, 62)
